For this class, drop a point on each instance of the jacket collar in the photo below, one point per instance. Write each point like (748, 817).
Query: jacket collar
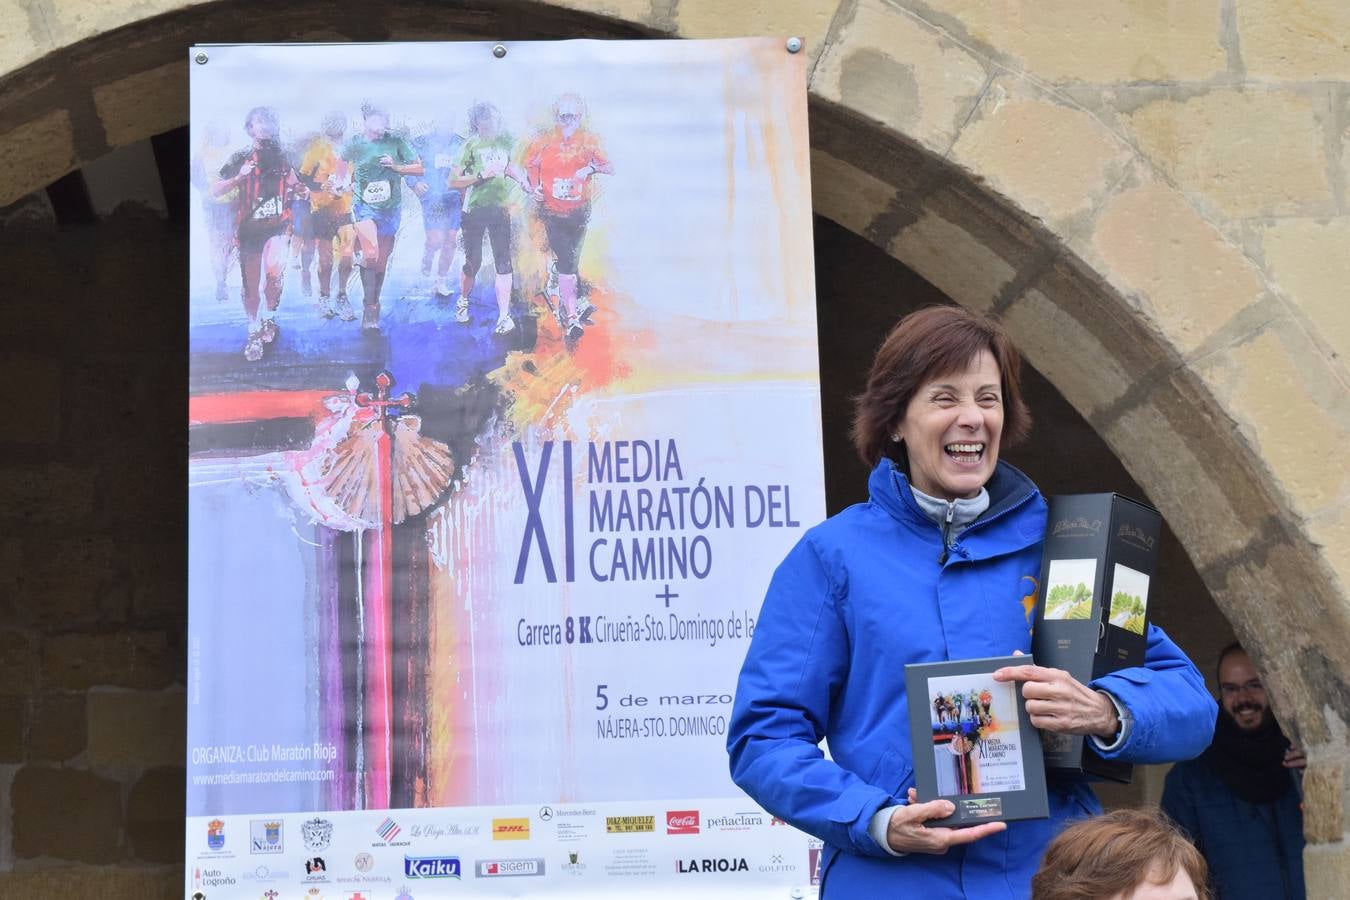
(890, 489)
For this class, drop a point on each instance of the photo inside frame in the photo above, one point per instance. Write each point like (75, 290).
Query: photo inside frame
(976, 745)
(1129, 599)
(1068, 592)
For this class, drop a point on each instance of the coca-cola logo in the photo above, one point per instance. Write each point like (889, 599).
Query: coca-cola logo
(682, 821)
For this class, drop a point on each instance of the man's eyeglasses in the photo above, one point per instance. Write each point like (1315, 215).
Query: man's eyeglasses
(1232, 690)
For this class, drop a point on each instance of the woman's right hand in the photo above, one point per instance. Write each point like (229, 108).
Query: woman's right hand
(906, 832)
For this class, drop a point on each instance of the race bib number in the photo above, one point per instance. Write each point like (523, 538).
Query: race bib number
(442, 161)
(376, 192)
(494, 162)
(564, 189)
(269, 210)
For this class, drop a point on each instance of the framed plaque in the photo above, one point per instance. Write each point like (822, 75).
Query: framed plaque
(973, 742)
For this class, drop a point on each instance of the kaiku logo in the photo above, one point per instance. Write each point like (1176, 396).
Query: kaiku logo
(682, 821)
(708, 866)
(1080, 524)
(431, 866)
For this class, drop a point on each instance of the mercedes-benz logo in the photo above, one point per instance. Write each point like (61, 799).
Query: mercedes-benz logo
(545, 813)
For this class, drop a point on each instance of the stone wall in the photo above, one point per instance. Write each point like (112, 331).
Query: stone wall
(92, 586)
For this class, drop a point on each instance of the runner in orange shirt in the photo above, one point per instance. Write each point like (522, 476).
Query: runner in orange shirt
(325, 173)
(560, 166)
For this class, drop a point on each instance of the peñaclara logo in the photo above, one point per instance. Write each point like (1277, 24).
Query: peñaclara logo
(736, 822)
(431, 866)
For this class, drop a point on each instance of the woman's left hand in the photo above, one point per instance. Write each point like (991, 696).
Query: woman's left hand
(1056, 701)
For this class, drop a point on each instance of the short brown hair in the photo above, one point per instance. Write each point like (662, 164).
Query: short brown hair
(1115, 853)
(927, 344)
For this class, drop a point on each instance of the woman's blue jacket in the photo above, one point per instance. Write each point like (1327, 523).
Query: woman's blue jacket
(860, 596)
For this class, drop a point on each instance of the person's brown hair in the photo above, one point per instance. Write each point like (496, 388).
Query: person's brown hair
(1115, 853)
(927, 344)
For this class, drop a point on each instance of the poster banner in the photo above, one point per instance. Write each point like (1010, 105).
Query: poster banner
(504, 406)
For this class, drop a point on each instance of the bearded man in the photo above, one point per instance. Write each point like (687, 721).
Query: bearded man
(1240, 800)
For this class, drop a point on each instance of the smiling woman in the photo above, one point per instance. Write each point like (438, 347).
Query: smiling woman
(931, 568)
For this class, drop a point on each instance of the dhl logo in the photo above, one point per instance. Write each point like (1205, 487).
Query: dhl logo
(510, 829)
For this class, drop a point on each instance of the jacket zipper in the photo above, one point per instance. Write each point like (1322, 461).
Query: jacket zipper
(951, 511)
(946, 530)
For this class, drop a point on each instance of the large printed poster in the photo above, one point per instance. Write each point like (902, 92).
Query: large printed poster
(504, 405)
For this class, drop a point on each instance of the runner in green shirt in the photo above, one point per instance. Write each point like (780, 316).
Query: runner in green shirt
(491, 180)
(378, 157)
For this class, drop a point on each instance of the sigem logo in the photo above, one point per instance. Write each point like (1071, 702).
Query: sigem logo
(710, 866)
(264, 836)
(388, 829)
(317, 834)
(431, 866)
(215, 834)
(682, 821)
(510, 829)
(508, 868)
(629, 824)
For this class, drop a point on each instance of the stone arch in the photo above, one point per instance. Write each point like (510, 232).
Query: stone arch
(1156, 211)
